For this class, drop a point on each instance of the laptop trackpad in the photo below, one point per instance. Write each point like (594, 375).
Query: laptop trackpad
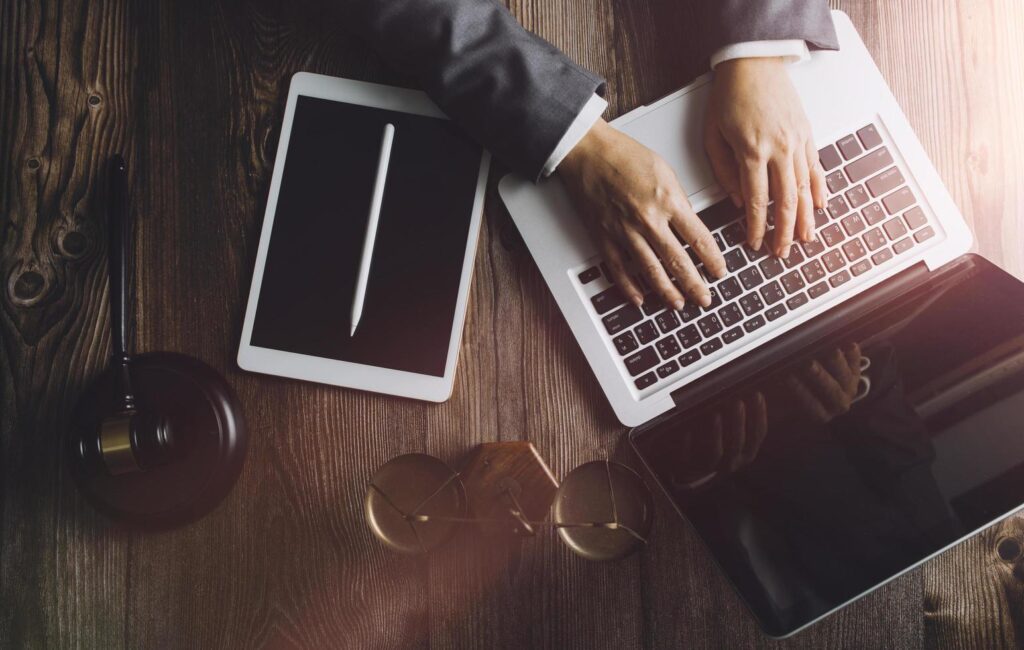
(820, 480)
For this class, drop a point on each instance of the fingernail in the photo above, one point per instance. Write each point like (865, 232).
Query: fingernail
(736, 200)
(678, 304)
(757, 244)
(785, 251)
(638, 300)
(705, 300)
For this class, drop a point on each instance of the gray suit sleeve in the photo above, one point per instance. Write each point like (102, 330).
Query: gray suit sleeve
(739, 21)
(512, 91)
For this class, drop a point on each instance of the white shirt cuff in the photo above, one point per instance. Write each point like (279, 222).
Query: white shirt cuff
(792, 50)
(591, 112)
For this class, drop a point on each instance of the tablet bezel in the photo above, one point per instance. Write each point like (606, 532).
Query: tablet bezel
(333, 371)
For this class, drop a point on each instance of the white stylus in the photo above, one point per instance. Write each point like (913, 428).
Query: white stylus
(371, 225)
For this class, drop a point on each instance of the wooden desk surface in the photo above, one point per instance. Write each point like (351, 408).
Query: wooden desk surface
(193, 93)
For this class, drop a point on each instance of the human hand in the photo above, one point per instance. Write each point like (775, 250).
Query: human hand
(635, 209)
(724, 441)
(827, 388)
(761, 148)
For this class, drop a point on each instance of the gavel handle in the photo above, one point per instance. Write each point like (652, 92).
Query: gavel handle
(119, 225)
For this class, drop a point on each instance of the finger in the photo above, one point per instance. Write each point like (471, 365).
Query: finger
(689, 226)
(782, 182)
(806, 401)
(817, 175)
(651, 268)
(754, 185)
(757, 425)
(615, 261)
(735, 433)
(681, 267)
(824, 387)
(836, 365)
(723, 163)
(804, 202)
(853, 355)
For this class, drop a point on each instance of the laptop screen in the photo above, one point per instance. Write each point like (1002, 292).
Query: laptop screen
(820, 479)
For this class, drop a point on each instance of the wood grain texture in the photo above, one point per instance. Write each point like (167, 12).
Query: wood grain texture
(193, 92)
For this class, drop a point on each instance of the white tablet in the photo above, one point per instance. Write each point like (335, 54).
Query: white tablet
(299, 317)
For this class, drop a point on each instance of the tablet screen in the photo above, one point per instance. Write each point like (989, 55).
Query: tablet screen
(316, 242)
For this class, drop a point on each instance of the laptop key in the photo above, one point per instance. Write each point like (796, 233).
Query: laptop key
(836, 181)
(885, 182)
(869, 136)
(795, 257)
(734, 260)
(608, 300)
(792, 282)
(641, 361)
(625, 343)
(812, 271)
(689, 311)
(839, 278)
(688, 358)
(867, 165)
(881, 256)
(857, 197)
(832, 235)
(829, 158)
(799, 300)
(734, 234)
(750, 278)
(853, 224)
(874, 239)
(589, 275)
(899, 200)
(915, 218)
(751, 303)
(720, 242)
(667, 369)
(771, 267)
(860, 267)
(652, 304)
(837, 206)
(817, 290)
(619, 320)
(873, 214)
(894, 228)
(849, 147)
(729, 336)
(753, 255)
(647, 380)
(813, 248)
(854, 250)
(833, 261)
(709, 325)
(775, 312)
(646, 332)
(923, 234)
(730, 315)
(667, 321)
(820, 217)
(755, 323)
(711, 346)
(668, 347)
(772, 293)
(903, 245)
(729, 288)
(688, 336)
(716, 300)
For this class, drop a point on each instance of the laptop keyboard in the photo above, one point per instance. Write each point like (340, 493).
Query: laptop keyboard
(870, 220)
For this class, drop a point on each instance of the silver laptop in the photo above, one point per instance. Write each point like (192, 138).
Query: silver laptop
(887, 211)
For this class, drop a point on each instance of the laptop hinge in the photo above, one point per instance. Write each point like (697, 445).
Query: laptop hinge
(842, 317)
